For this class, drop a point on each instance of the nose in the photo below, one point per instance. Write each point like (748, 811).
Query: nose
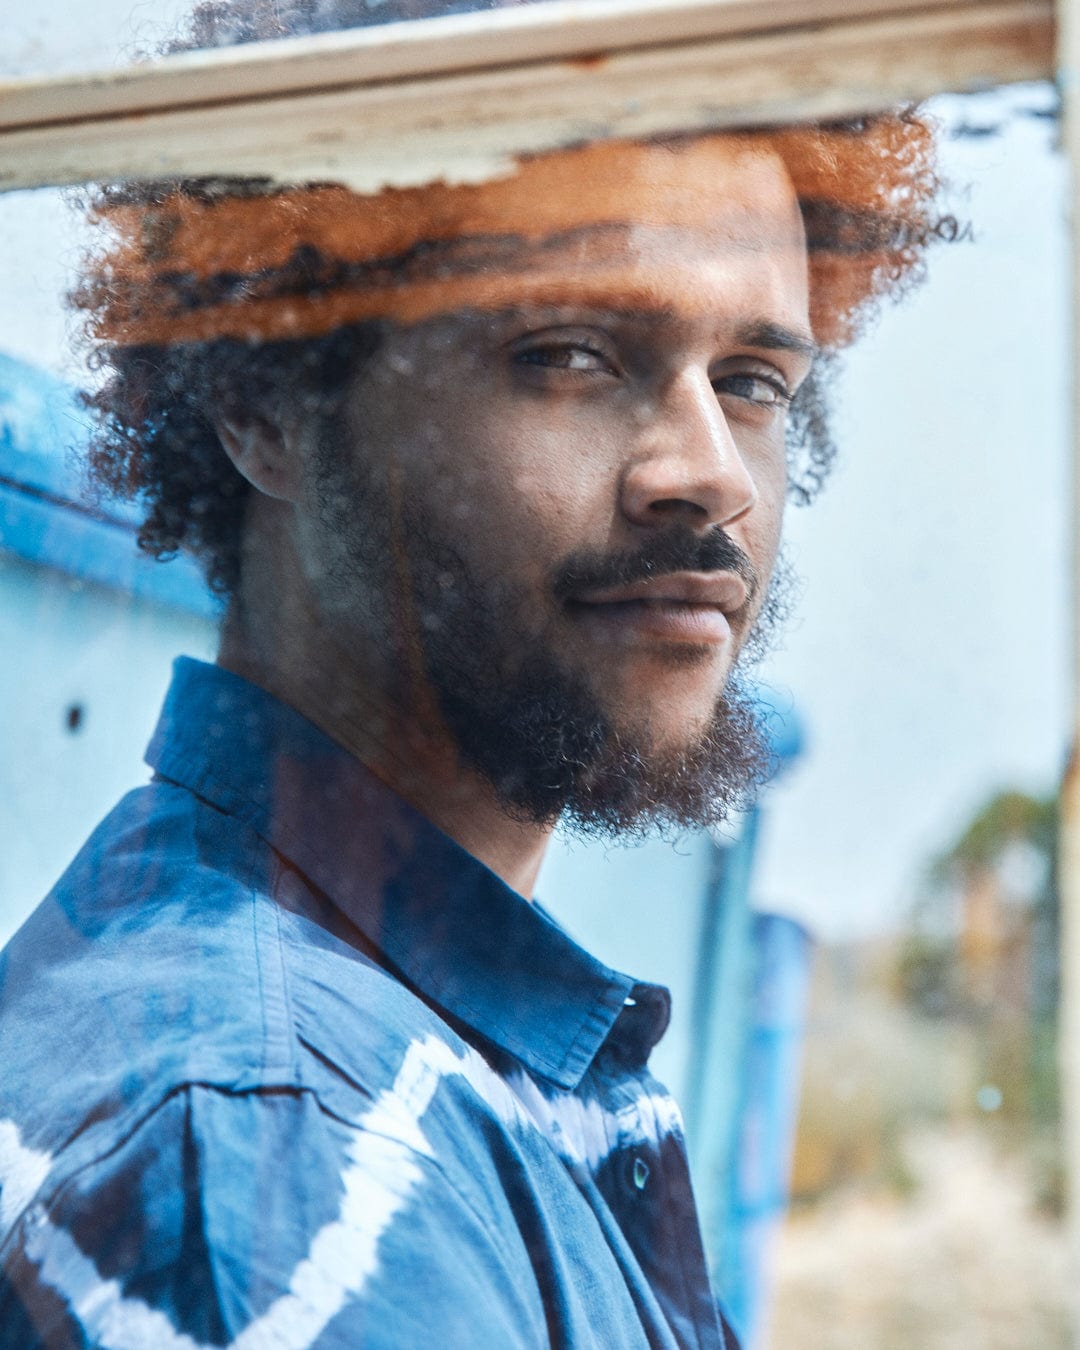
(687, 468)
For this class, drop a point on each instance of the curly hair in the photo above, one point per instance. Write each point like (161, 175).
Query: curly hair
(867, 189)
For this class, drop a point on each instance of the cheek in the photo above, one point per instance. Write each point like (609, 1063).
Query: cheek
(524, 523)
(763, 537)
(764, 453)
(511, 480)
(531, 484)
(763, 527)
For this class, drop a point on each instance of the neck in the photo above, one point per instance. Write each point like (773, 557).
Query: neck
(292, 656)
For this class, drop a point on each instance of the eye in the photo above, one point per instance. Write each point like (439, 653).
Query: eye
(763, 391)
(564, 356)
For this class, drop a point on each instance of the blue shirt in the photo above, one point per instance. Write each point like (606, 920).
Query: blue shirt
(282, 1066)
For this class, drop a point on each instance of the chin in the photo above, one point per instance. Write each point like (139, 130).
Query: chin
(675, 710)
(666, 729)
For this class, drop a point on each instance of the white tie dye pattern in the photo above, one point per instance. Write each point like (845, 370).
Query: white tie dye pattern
(381, 1172)
(22, 1170)
(584, 1132)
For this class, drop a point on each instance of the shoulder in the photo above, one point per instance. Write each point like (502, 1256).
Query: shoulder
(134, 974)
(263, 1216)
(178, 951)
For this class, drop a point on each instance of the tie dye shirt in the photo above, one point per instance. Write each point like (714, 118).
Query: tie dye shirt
(281, 1066)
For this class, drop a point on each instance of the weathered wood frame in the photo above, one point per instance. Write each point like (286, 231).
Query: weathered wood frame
(460, 97)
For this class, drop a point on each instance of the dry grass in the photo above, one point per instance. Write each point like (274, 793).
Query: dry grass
(964, 1261)
(921, 1222)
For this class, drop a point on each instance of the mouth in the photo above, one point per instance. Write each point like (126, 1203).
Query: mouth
(695, 608)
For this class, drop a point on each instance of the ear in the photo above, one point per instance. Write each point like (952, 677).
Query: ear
(262, 452)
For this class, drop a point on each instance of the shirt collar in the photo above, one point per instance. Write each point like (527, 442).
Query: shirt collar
(455, 930)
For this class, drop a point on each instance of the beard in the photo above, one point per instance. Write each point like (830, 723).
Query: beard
(534, 727)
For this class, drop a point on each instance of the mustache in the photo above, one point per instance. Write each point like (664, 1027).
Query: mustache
(679, 549)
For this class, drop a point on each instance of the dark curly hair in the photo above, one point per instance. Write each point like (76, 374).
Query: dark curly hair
(867, 189)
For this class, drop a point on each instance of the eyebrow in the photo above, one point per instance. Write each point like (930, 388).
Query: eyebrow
(776, 337)
(764, 333)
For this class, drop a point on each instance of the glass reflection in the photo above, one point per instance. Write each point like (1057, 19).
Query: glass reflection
(397, 436)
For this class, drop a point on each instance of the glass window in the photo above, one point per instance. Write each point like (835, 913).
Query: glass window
(486, 478)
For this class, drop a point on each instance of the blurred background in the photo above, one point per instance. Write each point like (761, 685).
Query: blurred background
(864, 969)
(916, 836)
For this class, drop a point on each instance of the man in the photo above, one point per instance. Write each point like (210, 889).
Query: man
(493, 480)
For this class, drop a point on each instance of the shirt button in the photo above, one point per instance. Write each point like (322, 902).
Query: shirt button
(641, 1173)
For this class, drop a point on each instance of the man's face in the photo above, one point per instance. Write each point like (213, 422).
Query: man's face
(562, 517)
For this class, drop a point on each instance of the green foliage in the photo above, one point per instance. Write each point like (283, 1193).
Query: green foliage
(925, 974)
(1007, 817)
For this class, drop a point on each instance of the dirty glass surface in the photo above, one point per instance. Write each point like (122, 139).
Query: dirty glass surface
(60, 36)
(877, 933)
(927, 1186)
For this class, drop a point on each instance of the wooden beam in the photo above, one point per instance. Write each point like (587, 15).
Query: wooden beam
(459, 98)
(560, 29)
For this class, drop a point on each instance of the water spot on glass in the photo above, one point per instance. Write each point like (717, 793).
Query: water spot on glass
(989, 1097)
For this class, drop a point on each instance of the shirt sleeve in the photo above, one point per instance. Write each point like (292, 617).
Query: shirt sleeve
(259, 1221)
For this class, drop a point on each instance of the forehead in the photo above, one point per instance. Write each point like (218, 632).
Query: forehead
(667, 225)
(717, 234)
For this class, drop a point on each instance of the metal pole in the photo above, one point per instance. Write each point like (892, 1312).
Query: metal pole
(1068, 13)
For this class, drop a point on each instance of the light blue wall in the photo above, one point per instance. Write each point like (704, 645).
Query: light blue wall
(639, 909)
(71, 643)
(85, 622)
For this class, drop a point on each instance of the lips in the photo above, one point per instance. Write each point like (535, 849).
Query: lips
(724, 591)
(687, 607)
